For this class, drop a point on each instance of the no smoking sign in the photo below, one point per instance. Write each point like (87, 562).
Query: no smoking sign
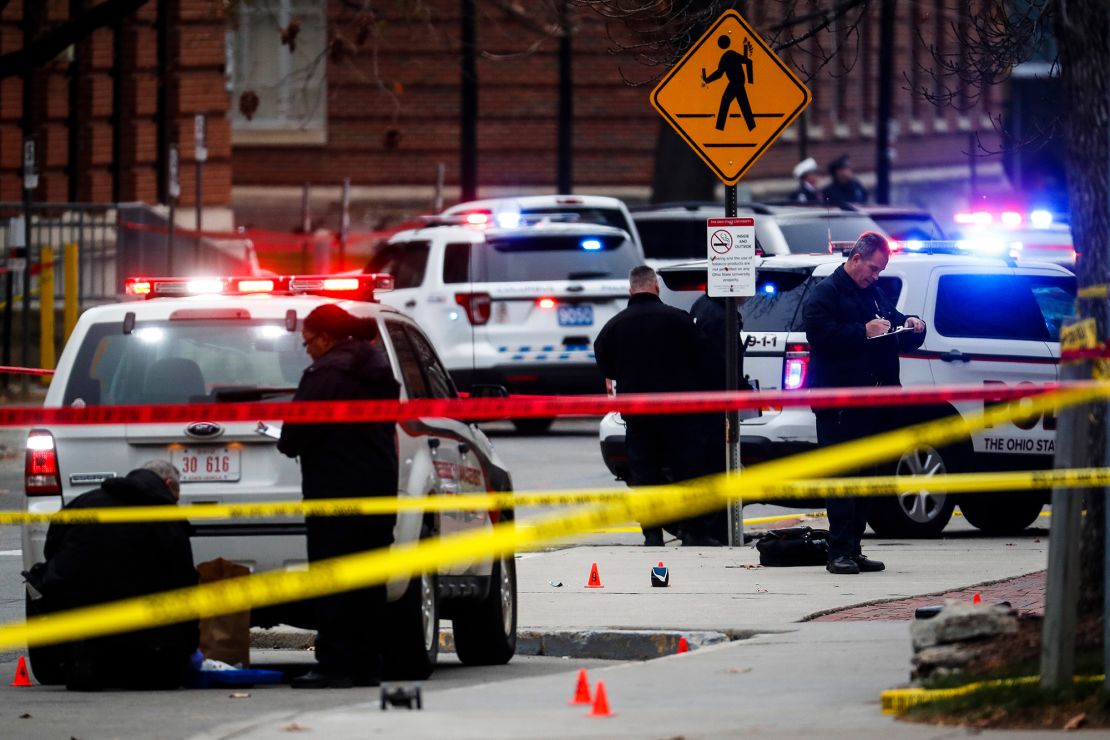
(731, 253)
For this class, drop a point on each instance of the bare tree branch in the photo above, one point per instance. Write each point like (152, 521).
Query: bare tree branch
(58, 39)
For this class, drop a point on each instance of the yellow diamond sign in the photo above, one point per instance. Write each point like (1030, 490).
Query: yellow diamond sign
(730, 97)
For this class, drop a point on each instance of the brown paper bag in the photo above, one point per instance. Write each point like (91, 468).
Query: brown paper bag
(226, 637)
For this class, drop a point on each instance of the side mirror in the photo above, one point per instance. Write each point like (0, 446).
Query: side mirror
(488, 390)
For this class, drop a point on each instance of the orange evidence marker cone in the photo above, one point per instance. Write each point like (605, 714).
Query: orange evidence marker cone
(595, 579)
(601, 703)
(21, 676)
(582, 691)
(976, 599)
(683, 646)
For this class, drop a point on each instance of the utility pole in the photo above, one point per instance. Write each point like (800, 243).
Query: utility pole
(566, 103)
(886, 102)
(468, 125)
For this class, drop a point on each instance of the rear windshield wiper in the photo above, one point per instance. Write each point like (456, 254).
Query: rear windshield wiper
(233, 394)
(587, 275)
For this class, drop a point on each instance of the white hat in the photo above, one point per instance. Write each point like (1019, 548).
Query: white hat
(805, 167)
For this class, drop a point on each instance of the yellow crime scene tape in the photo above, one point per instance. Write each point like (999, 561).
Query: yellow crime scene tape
(898, 701)
(648, 506)
(1025, 480)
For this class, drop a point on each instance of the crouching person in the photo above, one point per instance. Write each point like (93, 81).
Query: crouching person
(90, 564)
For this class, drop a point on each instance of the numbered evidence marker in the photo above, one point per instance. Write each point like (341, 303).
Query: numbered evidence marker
(730, 97)
(730, 249)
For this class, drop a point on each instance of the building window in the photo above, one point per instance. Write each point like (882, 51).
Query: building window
(277, 61)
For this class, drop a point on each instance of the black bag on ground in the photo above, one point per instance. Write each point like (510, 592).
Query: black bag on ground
(793, 546)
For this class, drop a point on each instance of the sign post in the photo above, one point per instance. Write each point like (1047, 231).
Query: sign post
(730, 97)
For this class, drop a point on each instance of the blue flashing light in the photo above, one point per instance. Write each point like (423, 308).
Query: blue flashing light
(1040, 218)
(769, 288)
(591, 245)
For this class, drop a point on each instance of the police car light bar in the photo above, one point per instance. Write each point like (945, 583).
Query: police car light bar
(352, 286)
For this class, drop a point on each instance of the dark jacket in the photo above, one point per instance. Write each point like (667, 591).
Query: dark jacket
(835, 312)
(806, 194)
(346, 460)
(709, 316)
(852, 191)
(93, 563)
(651, 347)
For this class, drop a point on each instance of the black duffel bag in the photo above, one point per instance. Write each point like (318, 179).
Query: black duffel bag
(793, 546)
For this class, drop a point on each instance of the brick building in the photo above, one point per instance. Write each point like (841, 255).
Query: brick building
(303, 91)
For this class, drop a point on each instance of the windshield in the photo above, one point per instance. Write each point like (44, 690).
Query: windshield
(183, 361)
(812, 235)
(533, 258)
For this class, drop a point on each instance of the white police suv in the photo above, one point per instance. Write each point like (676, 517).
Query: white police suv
(518, 307)
(238, 339)
(991, 321)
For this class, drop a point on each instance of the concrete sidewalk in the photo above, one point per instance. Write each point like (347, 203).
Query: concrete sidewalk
(785, 677)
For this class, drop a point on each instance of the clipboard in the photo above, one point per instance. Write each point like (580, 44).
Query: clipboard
(890, 333)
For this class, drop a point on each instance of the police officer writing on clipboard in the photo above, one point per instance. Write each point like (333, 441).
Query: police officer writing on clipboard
(855, 336)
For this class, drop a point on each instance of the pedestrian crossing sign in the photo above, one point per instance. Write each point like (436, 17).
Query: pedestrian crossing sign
(730, 97)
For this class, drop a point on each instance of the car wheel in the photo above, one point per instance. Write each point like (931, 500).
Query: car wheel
(411, 641)
(485, 633)
(1002, 513)
(919, 513)
(533, 426)
(48, 662)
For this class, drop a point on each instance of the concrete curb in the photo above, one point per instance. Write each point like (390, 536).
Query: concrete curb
(595, 644)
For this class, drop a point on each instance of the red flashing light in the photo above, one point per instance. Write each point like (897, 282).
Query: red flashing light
(347, 286)
(40, 473)
(477, 218)
(255, 286)
(478, 307)
(894, 246)
(546, 302)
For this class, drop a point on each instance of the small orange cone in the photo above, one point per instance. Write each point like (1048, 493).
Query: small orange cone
(595, 579)
(601, 703)
(683, 646)
(21, 677)
(976, 599)
(582, 691)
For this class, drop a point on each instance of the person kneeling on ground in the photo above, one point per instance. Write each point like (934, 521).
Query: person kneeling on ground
(89, 564)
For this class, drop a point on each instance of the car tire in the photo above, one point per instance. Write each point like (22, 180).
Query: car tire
(47, 662)
(485, 633)
(919, 513)
(533, 426)
(1002, 513)
(411, 641)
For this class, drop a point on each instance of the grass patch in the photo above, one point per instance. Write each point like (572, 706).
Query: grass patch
(1085, 705)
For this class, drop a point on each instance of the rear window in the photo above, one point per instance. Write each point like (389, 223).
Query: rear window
(535, 258)
(666, 238)
(183, 361)
(405, 261)
(812, 235)
(1030, 307)
(778, 294)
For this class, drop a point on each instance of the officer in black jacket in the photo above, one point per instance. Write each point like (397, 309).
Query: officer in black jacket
(90, 564)
(345, 460)
(848, 322)
(651, 347)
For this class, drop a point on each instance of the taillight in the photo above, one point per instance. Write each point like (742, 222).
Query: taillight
(477, 306)
(796, 367)
(40, 475)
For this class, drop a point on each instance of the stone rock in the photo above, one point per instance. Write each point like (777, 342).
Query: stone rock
(941, 659)
(963, 622)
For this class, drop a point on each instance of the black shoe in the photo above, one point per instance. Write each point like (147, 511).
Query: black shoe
(842, 566)
(319, 680)
(867, 565)
(653, 538)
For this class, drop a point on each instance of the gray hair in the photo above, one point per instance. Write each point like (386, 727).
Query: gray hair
(868, 243)
(164, 469)
(641, 278)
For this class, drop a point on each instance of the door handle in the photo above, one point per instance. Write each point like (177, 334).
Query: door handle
(954, 355)
(411, 303)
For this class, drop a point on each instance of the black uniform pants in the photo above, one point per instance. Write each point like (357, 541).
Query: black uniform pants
(350, 625)
(847, 515)
(661, 450)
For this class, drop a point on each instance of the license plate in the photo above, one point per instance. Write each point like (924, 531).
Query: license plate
(576, 315)
(206, 464)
